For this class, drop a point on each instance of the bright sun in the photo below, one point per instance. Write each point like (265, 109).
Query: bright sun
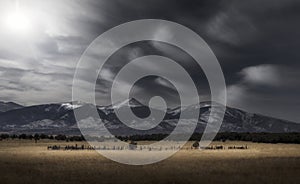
(18, 20)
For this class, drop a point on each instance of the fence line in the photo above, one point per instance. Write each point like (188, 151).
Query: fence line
(142, 147)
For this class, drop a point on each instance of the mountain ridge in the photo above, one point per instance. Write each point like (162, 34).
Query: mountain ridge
(7, 106)
(59, 118)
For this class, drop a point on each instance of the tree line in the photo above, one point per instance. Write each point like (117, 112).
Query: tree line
(223, 136)
(36, 137)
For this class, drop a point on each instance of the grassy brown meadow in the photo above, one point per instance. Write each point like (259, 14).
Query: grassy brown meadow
(23, 161)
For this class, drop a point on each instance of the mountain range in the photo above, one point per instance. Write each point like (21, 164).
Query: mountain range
(58, 118)
(7, 106)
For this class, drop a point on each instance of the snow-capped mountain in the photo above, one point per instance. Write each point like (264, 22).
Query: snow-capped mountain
(131, 102)
(40, 118)
(7, 106)
(59, 118)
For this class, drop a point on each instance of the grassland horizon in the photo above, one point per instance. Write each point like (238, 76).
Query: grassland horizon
(24, 161)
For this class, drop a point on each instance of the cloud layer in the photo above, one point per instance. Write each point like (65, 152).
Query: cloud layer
(256, 43)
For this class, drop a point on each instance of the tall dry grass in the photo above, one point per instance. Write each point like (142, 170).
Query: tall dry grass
(23, 161)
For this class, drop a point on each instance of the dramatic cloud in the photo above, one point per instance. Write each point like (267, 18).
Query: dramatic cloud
(261, 75)
(267, 89)
(256, 43)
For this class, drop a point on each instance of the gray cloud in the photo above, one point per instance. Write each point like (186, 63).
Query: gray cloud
(267, 89)
(262, 75)
(256, 43)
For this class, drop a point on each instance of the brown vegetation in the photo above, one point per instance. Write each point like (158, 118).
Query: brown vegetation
(23, 161)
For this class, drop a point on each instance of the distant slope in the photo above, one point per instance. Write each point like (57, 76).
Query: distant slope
(7, 106)
(59, 118)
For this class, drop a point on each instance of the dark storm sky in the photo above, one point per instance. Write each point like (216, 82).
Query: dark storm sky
(256, 42)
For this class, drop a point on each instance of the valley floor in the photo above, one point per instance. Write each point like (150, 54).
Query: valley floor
(23, 161)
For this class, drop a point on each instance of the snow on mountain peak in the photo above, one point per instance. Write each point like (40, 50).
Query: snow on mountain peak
(131, 102)
(70, 106)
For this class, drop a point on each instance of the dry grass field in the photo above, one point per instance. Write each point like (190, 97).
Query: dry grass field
(23, 161)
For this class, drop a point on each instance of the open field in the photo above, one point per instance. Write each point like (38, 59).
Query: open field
(23, 161)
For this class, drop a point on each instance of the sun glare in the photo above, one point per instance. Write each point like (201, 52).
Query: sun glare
(18, 22)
